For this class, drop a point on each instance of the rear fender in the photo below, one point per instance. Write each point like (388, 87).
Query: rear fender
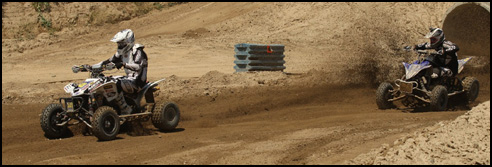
(462, 62)
(145, 89)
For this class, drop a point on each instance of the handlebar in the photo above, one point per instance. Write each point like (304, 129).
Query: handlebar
(409, 48)
(81, 68)
(94, 68)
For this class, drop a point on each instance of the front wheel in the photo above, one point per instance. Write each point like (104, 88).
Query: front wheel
(383, 94)
(106, 123)
(166, 116)
(50, 116)
(439, 98)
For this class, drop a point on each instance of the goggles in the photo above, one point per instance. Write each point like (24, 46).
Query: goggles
(121, 45)
(433, 40)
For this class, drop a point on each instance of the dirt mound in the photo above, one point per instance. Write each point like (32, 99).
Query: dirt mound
(463, 141)
(197, 33)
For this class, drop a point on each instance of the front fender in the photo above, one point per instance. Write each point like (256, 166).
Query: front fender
(413, 69)
(69, 88)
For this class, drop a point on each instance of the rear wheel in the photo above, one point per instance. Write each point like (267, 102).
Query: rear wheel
(166, 116)
(471, 88)
(50, 116)
(439, 98)
(106, 123)
(383, 94)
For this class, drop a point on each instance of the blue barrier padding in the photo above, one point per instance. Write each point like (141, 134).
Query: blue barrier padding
(259, 57)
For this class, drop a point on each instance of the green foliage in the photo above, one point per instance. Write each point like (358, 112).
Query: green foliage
(45, 23)
(158, 6)
(41, 6)
(142, 8)
(171, 4)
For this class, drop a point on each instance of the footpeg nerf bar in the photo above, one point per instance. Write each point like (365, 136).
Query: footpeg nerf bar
(136, 115)
(131, 117)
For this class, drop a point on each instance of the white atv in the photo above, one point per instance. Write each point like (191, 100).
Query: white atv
(93, 102)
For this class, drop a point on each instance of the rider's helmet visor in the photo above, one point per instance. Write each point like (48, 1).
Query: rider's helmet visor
(433, 40)
(121, 45)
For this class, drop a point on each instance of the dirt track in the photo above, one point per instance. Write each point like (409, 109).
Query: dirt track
(322, 111)
(316, 127)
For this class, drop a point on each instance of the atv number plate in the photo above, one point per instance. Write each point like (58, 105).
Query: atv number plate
(406, 87)
(69, 106)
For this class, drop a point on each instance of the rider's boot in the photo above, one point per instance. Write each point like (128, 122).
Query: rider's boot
(125, 109)
(446, 72)
(435, 73)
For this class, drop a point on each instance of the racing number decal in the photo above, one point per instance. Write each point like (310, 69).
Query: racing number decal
(109, 90)
(70, 106)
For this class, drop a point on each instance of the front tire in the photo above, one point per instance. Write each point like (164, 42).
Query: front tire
(106, 123)
(439, 98)
(383, 94)
(50, 116)
(166, 116)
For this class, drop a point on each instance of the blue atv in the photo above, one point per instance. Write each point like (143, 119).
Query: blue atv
(427, 85)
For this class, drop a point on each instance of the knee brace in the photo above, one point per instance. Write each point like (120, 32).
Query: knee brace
(126, 85)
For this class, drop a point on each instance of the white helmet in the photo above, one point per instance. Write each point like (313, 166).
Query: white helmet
(125, 41)
(436, 36)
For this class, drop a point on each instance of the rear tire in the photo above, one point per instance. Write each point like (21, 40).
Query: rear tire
(166, 116)
(471, 88)
(106, 123)
(49, 118)
(383, 94)
(439, 98)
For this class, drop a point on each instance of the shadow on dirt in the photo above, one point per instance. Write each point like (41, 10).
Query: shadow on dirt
(117, 138)
(137, 128)
(133, 128)
(67, 134)
(453, 105)
(172, 131)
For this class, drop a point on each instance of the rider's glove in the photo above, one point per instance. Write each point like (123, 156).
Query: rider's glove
(119, 65)
(407, 48)
(75, 69)
(421, 46)
(110, 66)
